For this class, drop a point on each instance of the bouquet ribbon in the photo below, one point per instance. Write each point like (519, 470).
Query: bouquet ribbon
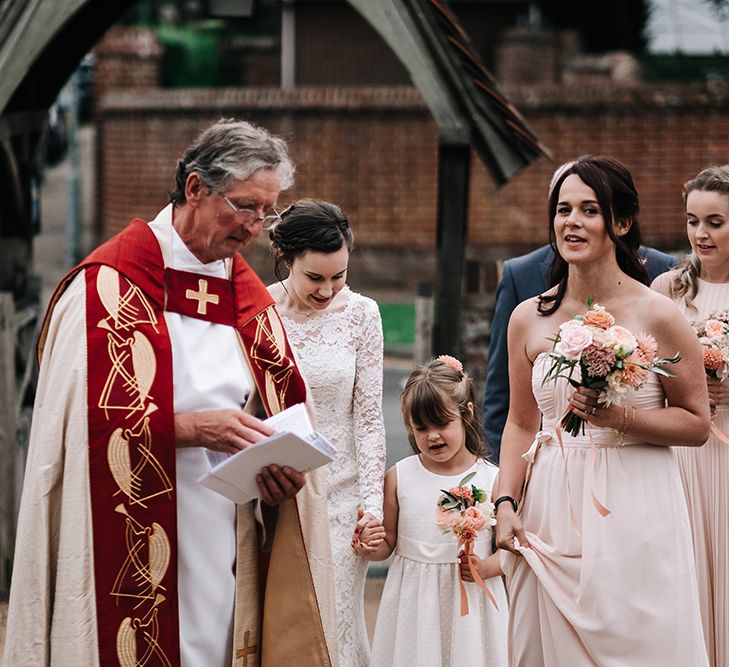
(544, 437)
(468, 549)
(601, 509)
(719, 435)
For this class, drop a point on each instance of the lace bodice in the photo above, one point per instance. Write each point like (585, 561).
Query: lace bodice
(340, 355)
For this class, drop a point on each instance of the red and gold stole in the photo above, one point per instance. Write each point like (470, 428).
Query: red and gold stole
(131, 426)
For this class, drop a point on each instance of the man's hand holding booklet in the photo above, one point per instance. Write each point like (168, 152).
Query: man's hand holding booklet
(295, 444)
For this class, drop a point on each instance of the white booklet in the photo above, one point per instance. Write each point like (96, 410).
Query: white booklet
(295, 445)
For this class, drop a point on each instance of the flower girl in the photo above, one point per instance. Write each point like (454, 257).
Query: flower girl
(420, 620)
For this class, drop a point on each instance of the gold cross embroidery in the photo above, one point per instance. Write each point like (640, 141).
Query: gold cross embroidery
(202, 296)
(246, 650)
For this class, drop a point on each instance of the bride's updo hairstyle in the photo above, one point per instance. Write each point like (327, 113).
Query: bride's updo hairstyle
(686, 282)
(430, 395)
(308, 225)
(618, 200)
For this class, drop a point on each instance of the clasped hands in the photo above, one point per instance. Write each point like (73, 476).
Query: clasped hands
(369, 533)
(230, 431)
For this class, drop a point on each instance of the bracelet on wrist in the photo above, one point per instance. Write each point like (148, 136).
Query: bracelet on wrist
(505, 499)
(628, 418)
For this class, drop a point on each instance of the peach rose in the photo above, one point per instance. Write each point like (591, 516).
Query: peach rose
(573, 338)
(714, 328)
(598, 317)
(444, 518)
(474, 518)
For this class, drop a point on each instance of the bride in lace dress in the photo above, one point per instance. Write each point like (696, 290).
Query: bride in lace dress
(336, 335)
(587, 588)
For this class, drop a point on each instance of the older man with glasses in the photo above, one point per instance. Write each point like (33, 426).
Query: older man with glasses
(156, 352)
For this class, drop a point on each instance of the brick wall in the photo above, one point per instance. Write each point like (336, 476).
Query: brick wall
(664, 134)
(337, 46)
(127, 57)
(374, 151)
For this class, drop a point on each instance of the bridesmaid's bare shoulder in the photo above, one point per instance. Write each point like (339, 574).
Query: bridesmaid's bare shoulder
(662, 283)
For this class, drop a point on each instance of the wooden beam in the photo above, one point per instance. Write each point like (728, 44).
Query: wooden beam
(454, 166)
(8, 445)
(394, 23)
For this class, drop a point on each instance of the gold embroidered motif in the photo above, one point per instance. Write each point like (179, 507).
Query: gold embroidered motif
(127, 637)
(277, 331)
(270, 335)
(126, 310)
(203, 297)
(246, 650)
(137, 472)
(146, 575)
(133, 369)
(272, 398)
(130, 480)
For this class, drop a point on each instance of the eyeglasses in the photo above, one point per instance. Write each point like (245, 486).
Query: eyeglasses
(250, 214)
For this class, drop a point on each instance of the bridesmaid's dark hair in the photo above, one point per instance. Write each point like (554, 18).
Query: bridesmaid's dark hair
(618, 200)
(428, 398)
(309, 224)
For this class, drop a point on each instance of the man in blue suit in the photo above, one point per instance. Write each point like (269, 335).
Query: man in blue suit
(523, 278)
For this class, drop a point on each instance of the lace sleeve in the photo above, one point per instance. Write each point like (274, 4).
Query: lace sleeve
(369, 425)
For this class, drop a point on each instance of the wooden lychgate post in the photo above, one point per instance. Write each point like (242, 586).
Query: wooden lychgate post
(8, 444)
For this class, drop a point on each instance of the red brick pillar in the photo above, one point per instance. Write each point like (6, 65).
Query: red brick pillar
(127, 57)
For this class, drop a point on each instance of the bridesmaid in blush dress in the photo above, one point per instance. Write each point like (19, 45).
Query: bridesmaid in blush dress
(590, 589)
(700, 287)
(336, 335)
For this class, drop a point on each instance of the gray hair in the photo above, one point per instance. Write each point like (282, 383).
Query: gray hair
(686, 282)
(232, 150)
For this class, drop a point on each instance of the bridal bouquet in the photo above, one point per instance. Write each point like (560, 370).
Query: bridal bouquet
(605, 357)
(463, 511)
(713, 334)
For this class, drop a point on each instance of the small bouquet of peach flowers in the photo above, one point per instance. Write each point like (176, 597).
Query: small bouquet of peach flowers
(609, 358)
(713, 335)
(463, 511)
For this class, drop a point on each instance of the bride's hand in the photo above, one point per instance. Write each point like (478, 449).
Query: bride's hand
(363, 518)
(509, 529)
(369, 529)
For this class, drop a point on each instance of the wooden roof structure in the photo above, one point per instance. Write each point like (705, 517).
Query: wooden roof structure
(470, 111)
(43, 41)
(460, 92)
